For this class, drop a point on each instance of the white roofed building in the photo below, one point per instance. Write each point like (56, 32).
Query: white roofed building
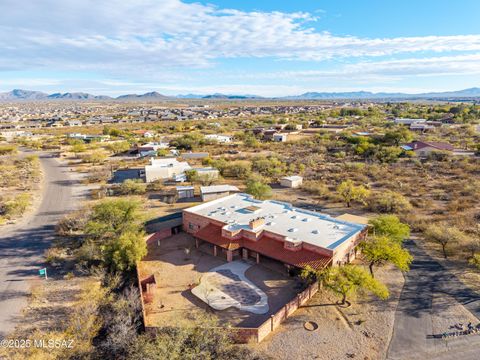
(244, 227)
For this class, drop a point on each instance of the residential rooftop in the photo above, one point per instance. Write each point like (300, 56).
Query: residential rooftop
(297, 225)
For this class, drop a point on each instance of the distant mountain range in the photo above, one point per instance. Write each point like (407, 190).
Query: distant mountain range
(28, 95)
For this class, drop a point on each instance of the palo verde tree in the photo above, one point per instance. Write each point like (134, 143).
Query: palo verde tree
(258, 188)
(114, 230)
(379, 250)
(390, 226)
(349, 279)
(349, 192)
(445, 234)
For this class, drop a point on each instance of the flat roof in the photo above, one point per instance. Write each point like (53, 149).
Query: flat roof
(281, 218)
(292, 178)
(217, 189)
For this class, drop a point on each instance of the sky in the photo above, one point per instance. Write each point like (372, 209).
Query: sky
(261, 47)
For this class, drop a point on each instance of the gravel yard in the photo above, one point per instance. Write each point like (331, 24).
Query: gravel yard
(361, 331)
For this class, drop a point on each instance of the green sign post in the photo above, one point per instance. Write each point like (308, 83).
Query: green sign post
(43, 272)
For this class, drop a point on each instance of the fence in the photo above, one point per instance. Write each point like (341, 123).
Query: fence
(245, 335)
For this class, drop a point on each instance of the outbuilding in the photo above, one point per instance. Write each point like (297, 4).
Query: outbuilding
(291, 181)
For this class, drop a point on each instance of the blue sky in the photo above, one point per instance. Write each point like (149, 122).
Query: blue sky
(269, 48)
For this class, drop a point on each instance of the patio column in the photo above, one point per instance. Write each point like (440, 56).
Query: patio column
(245, 254)
(229, 255)
(197, 243)
(214, 250)
(258, 258)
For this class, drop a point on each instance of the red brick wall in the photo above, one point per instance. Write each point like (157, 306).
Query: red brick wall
(159, 235)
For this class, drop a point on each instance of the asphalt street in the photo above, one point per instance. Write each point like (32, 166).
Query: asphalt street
(413, 336)
(22, 246)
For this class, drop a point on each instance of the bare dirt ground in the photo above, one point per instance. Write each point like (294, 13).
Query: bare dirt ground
(176, 272)
(361, 331)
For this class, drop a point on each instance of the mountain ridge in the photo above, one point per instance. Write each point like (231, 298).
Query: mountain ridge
(30, 95)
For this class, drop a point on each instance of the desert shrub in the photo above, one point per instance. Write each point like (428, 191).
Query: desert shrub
(156, 185)
(17, 206)
(72, 223)
(317, 188)
(96, 176)
(94, 157)
(7, 149)
(131, 187)
(388, 202)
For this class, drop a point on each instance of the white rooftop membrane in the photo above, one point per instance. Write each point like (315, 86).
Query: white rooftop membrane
(281, 218)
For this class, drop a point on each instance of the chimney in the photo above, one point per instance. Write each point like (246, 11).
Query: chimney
(255, 223)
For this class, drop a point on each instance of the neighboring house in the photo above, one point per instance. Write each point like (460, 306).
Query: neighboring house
(166, 169)
(73, 123)
(213, 192)
(89, 138)
(291, 181)
(145, 133)
(424, 148)
(185, 192)
(224, 139)
(421, 127)
(242, 227)
(408, 121)
(152, 146)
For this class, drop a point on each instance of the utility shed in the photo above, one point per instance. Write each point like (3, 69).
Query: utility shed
(213, 192)
(291, 181)
(185, 192)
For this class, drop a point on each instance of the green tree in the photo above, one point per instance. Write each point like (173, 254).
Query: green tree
(192, 175)
(350, 192)
(379, 250)
(123, 252)
(258, 189)
(131, 187)
(391, 226)
(349, 279)
(110, 218)
(118, 147)
(398, 136)
(445, 234)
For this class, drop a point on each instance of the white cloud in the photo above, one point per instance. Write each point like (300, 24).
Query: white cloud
(151, 37)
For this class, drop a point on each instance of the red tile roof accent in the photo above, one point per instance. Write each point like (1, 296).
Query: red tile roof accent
(213, 234)
(265, 246)
(275, 249)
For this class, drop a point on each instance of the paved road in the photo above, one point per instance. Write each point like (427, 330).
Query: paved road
(412, 333)
(22, 246)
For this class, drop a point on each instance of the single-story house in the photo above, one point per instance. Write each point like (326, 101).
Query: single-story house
(219, 138)
(166, 169)
(424, 148)
(241, 227)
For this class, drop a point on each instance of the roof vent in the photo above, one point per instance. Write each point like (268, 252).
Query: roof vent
(293, 230)
(270, 223)
(307, 220)
(314, 231)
